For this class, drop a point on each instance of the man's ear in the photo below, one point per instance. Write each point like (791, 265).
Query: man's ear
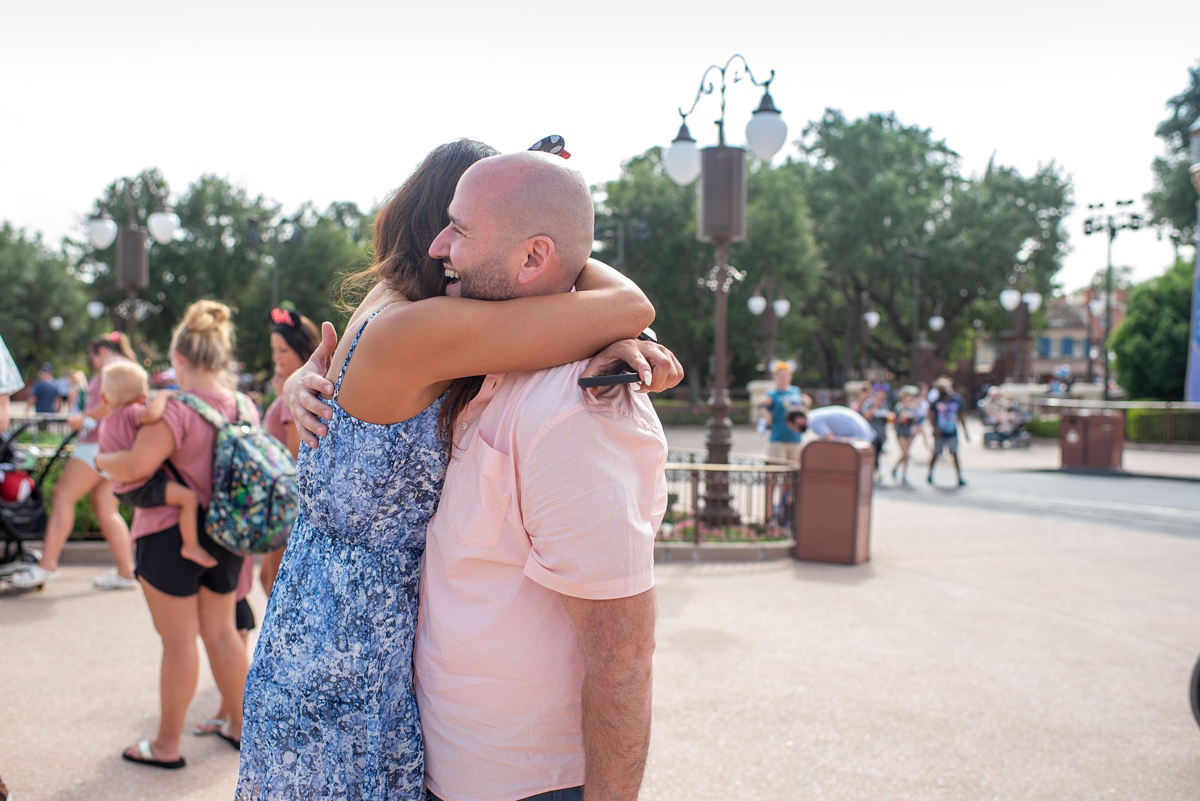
(539, 255)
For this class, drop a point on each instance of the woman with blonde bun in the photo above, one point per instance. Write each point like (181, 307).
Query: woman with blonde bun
(188, 600)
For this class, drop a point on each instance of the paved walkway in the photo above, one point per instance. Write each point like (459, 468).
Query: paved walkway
(978, 655)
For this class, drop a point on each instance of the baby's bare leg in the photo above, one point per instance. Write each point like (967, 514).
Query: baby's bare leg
(185, 499)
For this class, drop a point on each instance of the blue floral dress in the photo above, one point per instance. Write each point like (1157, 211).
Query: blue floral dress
(330, 710)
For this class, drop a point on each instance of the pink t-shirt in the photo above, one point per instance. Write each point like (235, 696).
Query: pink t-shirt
(276, 419)
(193, 456)
(547, 493)
(116, 432)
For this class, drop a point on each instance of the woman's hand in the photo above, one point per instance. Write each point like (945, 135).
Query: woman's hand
(302, 391)
(657, 366)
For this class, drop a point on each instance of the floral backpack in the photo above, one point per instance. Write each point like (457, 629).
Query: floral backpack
(255, 497)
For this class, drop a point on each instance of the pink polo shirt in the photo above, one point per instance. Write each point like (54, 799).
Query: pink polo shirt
(547, 493)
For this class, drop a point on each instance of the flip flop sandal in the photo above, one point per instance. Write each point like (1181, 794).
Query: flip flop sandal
(235, 744)
(146, 757)
(210, 726)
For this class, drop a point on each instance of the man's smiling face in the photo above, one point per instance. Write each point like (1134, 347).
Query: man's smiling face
(479, 258)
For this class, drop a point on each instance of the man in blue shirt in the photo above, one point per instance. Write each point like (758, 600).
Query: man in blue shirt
(46, 393)
(784, 443)
(946, 414)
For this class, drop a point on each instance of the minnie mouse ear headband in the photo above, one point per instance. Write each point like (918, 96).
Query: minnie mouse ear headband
(553, 144)
(285, 317)
(779, 364)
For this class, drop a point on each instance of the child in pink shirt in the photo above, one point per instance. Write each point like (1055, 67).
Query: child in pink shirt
(124, 387)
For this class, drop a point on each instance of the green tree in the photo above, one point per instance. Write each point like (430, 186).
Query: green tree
(881, 191)
(39, 285)
(1152, 343)
(1172, 202)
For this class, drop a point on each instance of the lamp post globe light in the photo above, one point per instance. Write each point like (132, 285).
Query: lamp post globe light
(1191, 387)
(133, 268)
(871, 318)
(936, 323)
(1102, 222)
(770, 311)
(722, 221)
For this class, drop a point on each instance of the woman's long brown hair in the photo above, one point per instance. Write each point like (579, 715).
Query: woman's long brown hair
(405, 227)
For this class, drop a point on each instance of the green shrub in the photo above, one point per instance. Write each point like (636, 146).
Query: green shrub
(1043, 428)
(1151, 425)
(681, 413)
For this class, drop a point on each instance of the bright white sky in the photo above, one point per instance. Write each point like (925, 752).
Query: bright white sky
(328, 101)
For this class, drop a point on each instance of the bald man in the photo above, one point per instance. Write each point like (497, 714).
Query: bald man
(533, 653)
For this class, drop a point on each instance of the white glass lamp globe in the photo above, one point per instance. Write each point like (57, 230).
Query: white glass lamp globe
(163, 224)
(95, 309)
(766, 131)
(102, 231)
(56, 323)
(936, 323)
(757, 305)
(782, 306)
(1033, 300)
(872, 319)
(1010, 299)
(682, 159)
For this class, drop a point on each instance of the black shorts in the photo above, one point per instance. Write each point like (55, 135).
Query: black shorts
(157, 561)
(152, 493)
(244, 616)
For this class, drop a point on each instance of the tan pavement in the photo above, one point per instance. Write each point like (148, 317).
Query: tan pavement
(978, 655)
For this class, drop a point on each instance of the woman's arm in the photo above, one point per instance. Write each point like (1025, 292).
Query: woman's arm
(293, 439)
(443, 338)
(153, 445)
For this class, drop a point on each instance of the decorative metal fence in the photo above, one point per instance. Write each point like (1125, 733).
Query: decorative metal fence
(752, 499)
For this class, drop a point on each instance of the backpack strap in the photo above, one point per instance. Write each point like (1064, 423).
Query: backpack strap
(245, 409)
(210, 415)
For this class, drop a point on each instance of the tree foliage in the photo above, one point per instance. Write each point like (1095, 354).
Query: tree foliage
(1172, 202)
(881, 192)
(39, 285)
(1152, 342)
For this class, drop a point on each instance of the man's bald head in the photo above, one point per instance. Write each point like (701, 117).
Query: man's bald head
(536, 194)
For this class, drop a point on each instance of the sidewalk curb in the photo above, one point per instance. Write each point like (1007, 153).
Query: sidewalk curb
(683, 552)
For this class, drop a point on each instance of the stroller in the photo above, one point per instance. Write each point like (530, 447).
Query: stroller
(23, 519)
(1007, 430)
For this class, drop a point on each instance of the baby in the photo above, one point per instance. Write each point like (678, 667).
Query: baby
(124, 387)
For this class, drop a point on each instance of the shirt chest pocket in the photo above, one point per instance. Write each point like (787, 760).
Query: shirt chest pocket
(477, 494)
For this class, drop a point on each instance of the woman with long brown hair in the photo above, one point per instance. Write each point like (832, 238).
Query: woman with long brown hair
(330, 703)
(79, 478)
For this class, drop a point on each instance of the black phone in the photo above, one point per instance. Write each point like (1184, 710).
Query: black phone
(609, 380)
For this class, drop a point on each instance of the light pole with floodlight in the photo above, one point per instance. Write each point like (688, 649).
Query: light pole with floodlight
(722, 221)
(133, 267)
(770, 311)
(1120, 219)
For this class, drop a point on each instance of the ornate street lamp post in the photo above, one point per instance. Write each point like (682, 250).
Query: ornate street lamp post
(1022, 305)
(722, 221)
(1191, 388)
(770, 311)
(133, 267)
(1110, 224)
(1094, 307)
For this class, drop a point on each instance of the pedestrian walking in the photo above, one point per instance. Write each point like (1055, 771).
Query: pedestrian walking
(947, 416)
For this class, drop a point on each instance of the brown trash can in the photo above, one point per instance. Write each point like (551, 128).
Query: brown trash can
(1072, 439)
(833, 509)
(1105, 440)
(1092, 441)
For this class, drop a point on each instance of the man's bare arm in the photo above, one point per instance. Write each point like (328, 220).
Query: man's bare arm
(617, 638)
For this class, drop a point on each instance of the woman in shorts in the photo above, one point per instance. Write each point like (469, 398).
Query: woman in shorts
(187, 600)
(79, 478)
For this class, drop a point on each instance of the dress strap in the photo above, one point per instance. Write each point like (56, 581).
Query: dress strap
(337, 388)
